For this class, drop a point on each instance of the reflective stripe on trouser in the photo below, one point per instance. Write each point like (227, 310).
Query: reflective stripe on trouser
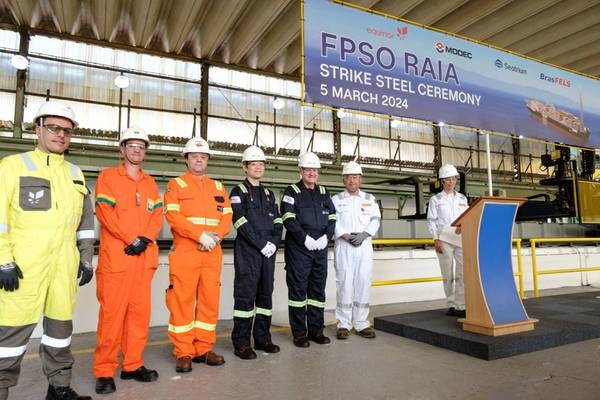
(451, 266)
(353, 270)
(124, 316)
(48, 287)
(306, 275)
(193, 300)
(252, 286)
(13, 344)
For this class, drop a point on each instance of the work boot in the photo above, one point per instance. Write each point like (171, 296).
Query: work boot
(267, 347)
(64, 393)
(301, 341)
(368, 333)
(142, 374)
(245, 353)
(319, 339)
(183, 364)
(209, 358)
(105, 385)
(342, 334)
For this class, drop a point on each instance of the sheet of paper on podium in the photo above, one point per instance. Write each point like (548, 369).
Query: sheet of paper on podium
(449, 235)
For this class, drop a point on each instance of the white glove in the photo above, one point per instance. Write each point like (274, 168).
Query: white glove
(268, 250)
(207, 241)
(310, 243)
(322, 242)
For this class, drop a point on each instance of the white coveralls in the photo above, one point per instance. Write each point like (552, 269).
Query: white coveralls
(443, 210)
(354, 265)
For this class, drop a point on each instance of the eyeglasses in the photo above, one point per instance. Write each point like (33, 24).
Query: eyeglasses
(55, 130)
(136, 146)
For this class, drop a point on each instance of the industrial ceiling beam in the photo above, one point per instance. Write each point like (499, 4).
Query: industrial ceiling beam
(587, 36)
(431, 11)
(505, 18)
(586, 63)
(469, 13)
(219, 20)
(253, 26)
(514, 37)
(185, 17)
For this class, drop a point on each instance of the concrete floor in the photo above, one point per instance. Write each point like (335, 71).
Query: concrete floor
(389, 367)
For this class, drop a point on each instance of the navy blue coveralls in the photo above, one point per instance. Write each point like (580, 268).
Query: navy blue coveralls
(256, 218)
(306, 212)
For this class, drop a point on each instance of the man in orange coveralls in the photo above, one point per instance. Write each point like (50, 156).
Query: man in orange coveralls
(129, 209)
(199, 212)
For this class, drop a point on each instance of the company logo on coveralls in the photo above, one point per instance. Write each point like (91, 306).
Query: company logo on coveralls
(513, 68)
(442, 48)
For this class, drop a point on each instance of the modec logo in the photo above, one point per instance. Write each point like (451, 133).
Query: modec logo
(442, 48)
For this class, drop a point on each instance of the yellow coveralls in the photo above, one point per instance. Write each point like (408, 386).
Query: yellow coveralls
(42, 199)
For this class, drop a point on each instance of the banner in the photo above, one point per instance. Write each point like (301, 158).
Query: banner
(366, 62)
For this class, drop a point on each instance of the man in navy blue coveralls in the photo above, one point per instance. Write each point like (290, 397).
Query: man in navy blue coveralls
(259, 227)
(309, 217)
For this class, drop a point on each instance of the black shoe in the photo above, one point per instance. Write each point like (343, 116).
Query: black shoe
(142, 374)
(105, 385)
(450, 312)
(453, 312)
(461, 313)
(245, 353)
(267, 347)
(301, 341)
(64, 393)
(320, 339)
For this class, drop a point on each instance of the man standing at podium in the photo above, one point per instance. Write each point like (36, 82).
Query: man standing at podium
(443, 209)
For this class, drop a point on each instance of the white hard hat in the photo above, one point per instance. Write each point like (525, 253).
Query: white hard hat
(253, 153)
(134, 133)
(309, 160)
(447, 170)
(56, 109)
(196, 145)
(352, 168)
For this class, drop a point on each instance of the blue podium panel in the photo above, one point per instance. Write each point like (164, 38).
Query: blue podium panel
(495, 263)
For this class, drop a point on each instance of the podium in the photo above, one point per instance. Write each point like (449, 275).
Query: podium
(491, 299)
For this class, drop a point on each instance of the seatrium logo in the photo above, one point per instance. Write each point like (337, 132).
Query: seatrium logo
(498, 63)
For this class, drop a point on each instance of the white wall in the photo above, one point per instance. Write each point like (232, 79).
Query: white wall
(388, 264)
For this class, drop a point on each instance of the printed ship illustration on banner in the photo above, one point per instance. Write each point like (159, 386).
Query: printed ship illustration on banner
(562, 121)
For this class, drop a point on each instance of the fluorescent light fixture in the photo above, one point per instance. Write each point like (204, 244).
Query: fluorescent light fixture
(122, 82)
(395, 123)
(19, 62)
(278, 103)
(441, 123)
(341, 113)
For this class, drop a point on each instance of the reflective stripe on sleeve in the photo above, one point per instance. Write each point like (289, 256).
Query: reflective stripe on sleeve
(288, 215)
(278, 221)
(56, 343)
(88, 234)
(241, 221)
(227, 210)
(173, 207)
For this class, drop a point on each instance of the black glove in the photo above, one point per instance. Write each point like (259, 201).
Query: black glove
(86, 272)
(138, 246)
(9, 276)
(356, 239)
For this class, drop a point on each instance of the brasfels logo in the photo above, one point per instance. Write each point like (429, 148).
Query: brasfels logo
(442, 48)
(504, 65)
(557, 80)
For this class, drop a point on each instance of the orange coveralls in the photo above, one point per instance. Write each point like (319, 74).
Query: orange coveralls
(194, 205)
(126, 209)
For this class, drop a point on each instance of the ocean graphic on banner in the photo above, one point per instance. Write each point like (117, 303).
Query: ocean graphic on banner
(366, 62)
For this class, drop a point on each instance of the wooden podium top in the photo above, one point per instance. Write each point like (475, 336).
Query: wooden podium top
(457, 221)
